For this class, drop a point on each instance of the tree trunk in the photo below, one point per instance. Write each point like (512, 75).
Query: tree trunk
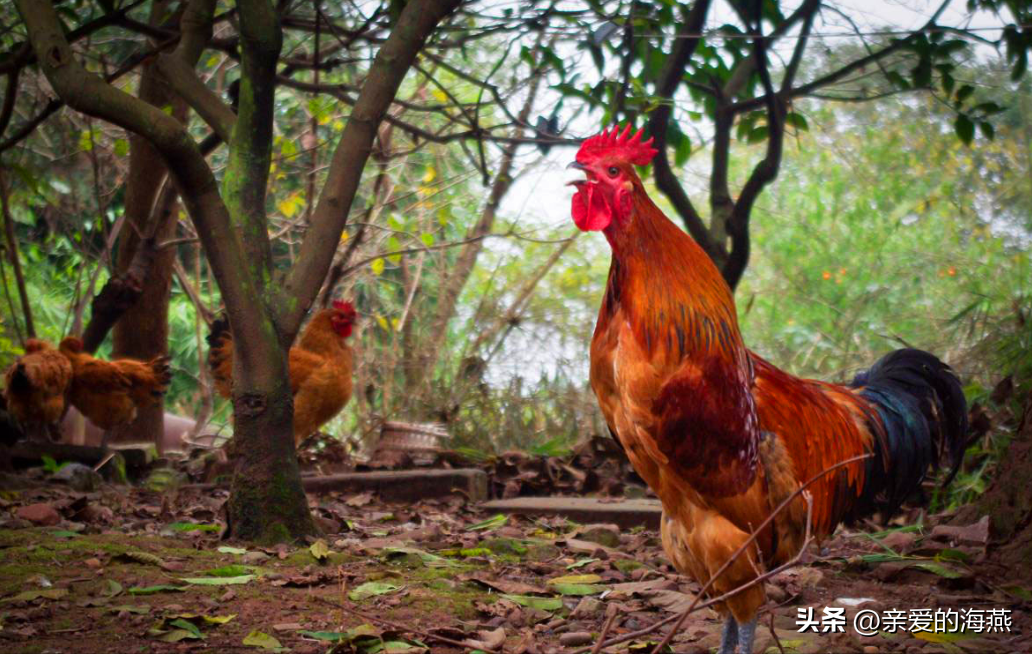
(142, 331)
(266, 502)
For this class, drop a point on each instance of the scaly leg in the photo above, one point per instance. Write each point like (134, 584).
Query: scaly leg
(729, 637)
(746, 633)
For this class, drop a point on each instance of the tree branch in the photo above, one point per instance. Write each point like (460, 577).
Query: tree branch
(247, 172)
(666, 86)
(195, 181)
(767, 169)
(415, 24)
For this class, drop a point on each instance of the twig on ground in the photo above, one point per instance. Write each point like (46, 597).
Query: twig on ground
(774, 634)
(605, 632)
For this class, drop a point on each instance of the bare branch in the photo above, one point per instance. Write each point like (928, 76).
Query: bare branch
(669, 80)
(417, 20)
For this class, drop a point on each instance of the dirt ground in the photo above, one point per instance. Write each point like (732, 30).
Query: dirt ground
(127, 570)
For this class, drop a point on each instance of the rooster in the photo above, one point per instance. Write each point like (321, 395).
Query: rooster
(108, 393)
(721, 435)
(319, 366)
(35, 386)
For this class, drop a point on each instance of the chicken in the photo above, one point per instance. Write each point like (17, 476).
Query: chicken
(721, 435)
(35, 386)
(108, 393)
(319, 366)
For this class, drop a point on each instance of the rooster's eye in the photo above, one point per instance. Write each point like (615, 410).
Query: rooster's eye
(613, 171)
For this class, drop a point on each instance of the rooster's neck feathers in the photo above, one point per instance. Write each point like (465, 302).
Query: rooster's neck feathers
(669, 288)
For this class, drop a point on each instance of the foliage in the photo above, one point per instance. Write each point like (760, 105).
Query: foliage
(882, 228)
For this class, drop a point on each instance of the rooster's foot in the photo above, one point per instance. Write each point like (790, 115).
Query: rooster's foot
(729, 637)
(737, 637)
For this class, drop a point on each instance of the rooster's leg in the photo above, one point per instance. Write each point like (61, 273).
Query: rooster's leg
(746, 632)
(729, 637)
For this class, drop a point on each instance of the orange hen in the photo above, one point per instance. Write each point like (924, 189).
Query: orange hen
(35, 386)
(721, 435)
(319, 366)
(108, 393)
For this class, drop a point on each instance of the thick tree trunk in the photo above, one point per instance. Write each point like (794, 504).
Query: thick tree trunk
(266, 503)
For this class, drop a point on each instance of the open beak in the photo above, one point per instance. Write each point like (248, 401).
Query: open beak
(576, 165)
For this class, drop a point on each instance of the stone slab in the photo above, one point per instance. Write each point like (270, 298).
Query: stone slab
(405, 485)
(585, 510)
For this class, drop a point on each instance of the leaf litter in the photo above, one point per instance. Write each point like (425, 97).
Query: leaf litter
(131, 567)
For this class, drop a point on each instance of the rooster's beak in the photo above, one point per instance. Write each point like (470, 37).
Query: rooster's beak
(578, 165)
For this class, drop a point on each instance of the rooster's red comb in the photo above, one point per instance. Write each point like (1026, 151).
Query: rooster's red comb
(621, 144)
(344, 307)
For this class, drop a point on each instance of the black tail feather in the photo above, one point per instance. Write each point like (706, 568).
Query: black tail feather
(923, 414)
(219, 330)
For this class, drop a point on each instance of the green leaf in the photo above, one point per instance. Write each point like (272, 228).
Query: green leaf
(798, 121)
(190, 526)
(944, 636)
(428, 559)
(233, 570)
(225, 549)
(964, 128)
(939, 569)
(964, 92)
(185, 625)
(343, 636)
(371, 589)
(377, 266)
(494, 522)
(177, 635)
(31, 595)
(263, 640)
(577, 589)
(121, 148)
(579, 564)
(574, 579)
(987, 129)
(427, 238)
(320, 550)
(540, 603)
(219, 581)
(151, 590)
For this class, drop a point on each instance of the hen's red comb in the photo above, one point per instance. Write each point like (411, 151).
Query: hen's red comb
(621, 144)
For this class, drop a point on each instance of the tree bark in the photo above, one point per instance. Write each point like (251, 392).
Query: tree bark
(141, 331)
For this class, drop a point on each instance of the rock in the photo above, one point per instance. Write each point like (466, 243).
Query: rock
(576, 638)
(976, 534)
(93, 563)
(80, 477)
(254, 558)
(607, 535)
(39, 514)
(900, 541)
(588, 607)
(327, 525)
